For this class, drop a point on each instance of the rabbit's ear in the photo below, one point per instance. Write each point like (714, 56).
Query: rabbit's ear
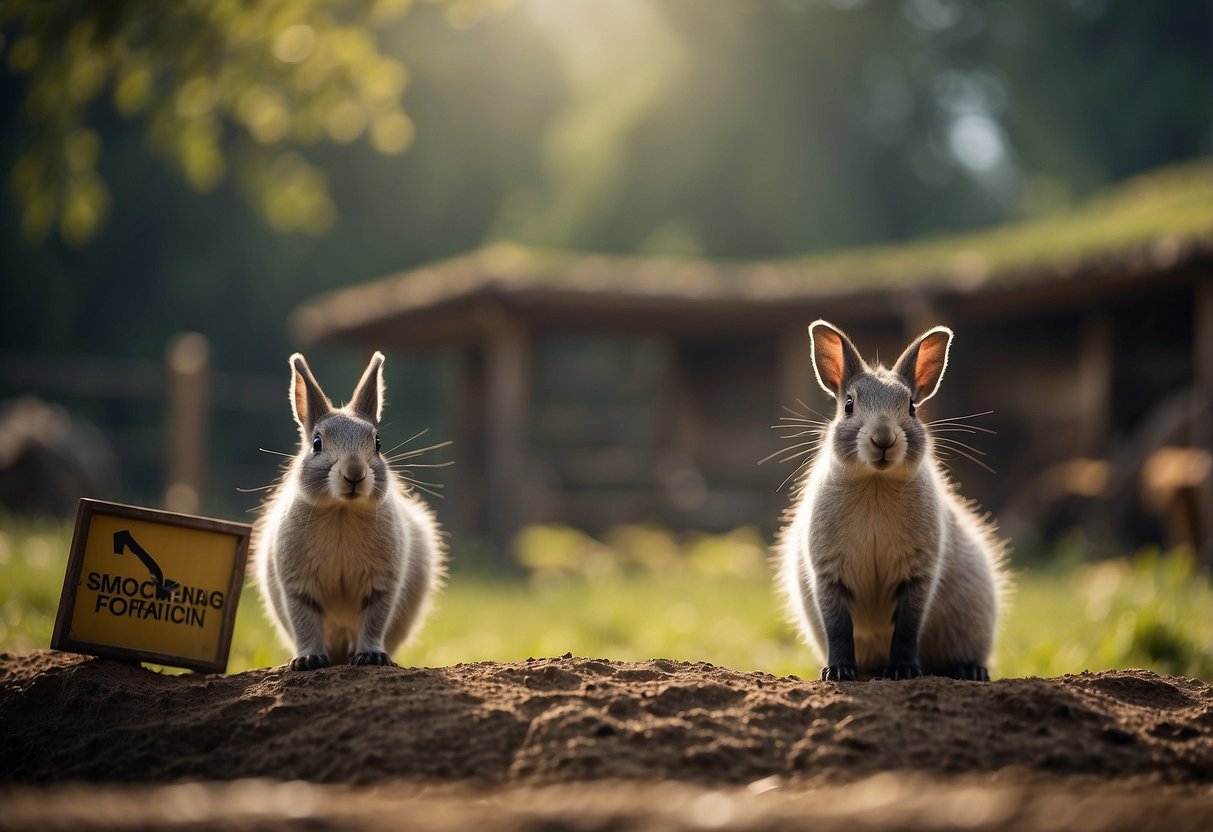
(308, 401)
(835, 359)
(921, 366)
(368, 395)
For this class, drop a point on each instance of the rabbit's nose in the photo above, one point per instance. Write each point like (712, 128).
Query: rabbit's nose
(354, 475)
(884, 437)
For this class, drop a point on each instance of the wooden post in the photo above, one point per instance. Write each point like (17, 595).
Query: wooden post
(795, 368)
(507, 396)
(470, 493)
(678, 480)
(1094, 391)
(1202, 413)
(187, 361)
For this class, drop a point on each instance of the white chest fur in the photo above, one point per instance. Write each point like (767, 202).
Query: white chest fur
(344, 555)
(871, 535)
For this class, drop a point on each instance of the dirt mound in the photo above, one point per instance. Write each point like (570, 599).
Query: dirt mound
(566, 720)
(588, 744)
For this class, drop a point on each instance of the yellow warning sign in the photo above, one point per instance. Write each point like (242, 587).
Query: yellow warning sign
(152, 586)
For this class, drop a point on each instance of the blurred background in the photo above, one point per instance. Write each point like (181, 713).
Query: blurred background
(589, 237)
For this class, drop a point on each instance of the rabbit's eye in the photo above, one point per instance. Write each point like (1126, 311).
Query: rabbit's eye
(378, 444)
(316, 443)
(850, 406)
(913, 409)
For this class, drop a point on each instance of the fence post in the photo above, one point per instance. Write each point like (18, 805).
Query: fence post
(187, 364)
(507, 379)
(1202, 415)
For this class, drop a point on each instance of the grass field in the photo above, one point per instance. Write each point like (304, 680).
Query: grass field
(643, 594)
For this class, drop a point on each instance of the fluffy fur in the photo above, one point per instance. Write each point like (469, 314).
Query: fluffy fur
(886, 570)
(346, 559)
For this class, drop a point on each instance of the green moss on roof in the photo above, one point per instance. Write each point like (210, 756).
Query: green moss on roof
(1161, 213)
(1168, 208)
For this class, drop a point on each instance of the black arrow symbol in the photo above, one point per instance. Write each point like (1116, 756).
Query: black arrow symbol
(125, 540)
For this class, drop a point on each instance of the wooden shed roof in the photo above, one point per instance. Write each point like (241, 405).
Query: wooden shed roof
(1155, 224)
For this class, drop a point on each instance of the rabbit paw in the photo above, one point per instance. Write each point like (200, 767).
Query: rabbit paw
(838, 673)
(374, 657)
(972, 672)
(902, 671)
(309, 662)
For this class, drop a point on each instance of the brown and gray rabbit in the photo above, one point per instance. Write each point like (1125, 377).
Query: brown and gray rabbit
(885, 569)
(346, 559)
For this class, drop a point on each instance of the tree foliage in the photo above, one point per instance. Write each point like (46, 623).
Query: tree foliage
(226, 88)
(822, 122)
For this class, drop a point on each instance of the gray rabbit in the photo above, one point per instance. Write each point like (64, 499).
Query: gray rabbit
(346, 559)
(885, 569)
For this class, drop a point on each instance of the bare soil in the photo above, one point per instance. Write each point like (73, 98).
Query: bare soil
(594, 744)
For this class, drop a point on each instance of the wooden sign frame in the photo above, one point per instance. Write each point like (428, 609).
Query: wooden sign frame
(61, 640)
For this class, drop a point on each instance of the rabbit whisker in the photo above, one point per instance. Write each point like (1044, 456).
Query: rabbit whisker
(969, 415)
(960, 418)
(774, 454)
(809, 409)
(418, 451)
(934, 426)
(949, 442)
(793, 475)
(416, 435)
(973, 459)
(275, 453)
(801, 417)
(405, 475)
(427, 490)
(806, 452)
(797, 431)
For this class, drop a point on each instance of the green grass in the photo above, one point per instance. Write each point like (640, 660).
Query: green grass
(645, 594)
(1151, 611)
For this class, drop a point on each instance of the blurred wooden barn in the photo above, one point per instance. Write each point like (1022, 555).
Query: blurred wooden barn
(597, 390)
